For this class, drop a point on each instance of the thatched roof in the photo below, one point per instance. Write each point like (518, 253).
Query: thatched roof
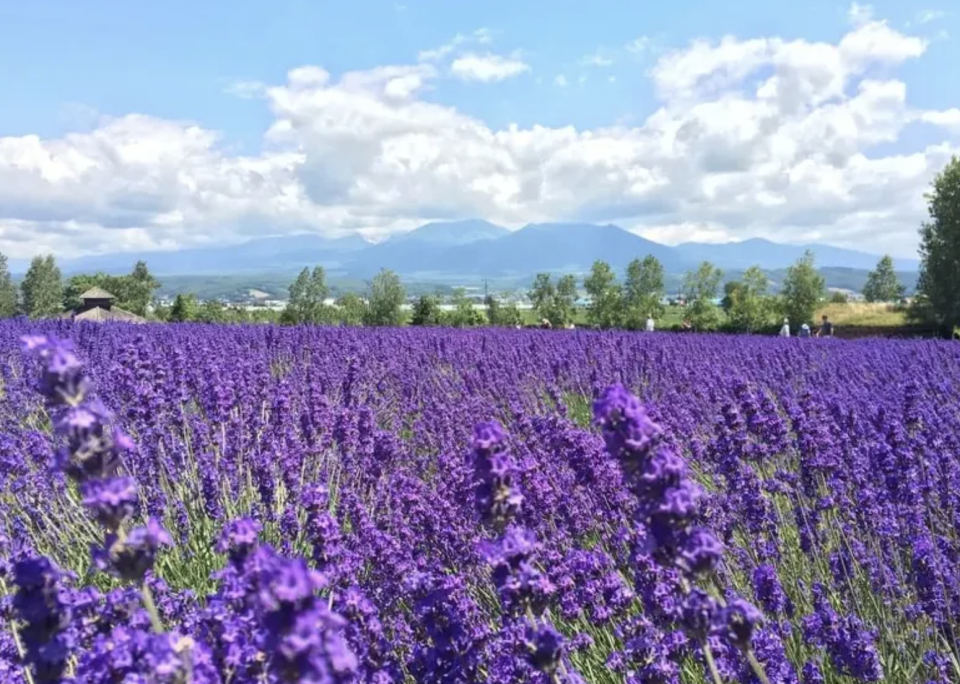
(99, 315)
(96, 293)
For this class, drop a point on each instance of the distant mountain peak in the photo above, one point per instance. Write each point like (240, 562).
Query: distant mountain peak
(453, 232)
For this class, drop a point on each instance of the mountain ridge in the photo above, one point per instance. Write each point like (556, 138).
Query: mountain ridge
(474, 247)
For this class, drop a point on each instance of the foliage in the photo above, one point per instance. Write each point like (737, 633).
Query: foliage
(384, 300)
(306, 305)
(426, 311)
(940, 248)
(133, 291)
(643, 292)
(41, 291)
(554, 302)
(700, 287)
(501, 315)
(606, 305)
(8, 291)
(883, 285)
(839, 297)
(349, 309)
(464, 315)
(802, 291)
(185, 309)
(746, 302)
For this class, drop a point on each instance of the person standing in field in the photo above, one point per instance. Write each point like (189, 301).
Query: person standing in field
(785, 330)
(804, 330)
(650, 323)
(826, 328)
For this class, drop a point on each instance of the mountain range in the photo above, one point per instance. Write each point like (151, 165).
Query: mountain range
(473, 248)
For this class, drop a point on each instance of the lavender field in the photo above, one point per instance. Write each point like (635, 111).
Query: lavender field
(245, 505)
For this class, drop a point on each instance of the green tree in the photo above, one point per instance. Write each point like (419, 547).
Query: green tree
(385, 300)
(350, 309)
(643, 292)
(184, 309)
(606, 305)
(556, 303)
(566, 301)
(882, 283)
(701, 290)
(746, 302)
(502, 315)
(839, 297)
(213, 311)
(42, 289)
(464, 315)
(307, 295)
(140, 286)
(802, 290)
(426, 311)
(939, 286)
(8, 291)
(542, 296)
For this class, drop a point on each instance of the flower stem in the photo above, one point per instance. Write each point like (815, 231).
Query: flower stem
(757, 667)
(708, 654)
(151, 608)
(16, 636)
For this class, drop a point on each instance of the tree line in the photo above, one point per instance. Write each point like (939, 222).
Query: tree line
(44, 294)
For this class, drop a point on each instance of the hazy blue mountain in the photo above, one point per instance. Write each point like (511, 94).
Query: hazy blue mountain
(772, 255)
(449, 251)
(449, 233)
(556, 247)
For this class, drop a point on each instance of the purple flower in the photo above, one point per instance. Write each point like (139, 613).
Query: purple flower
(111, 501)
(739, 619)
(132, 557)
(43, 607)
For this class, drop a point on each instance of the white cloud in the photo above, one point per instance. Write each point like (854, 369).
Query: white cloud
(246, 90)
(488, 67)
(599, 59)
(639, 46)
(751, 137)
(929, 15)
(481, 36)
(860, 14)
(561, 81)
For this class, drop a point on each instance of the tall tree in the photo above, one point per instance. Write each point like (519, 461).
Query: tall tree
(542, 296)
(803, 288)
(140, 288)
(643, 292)
(350, 309)
(464, 315)
(502, 315)
(606, 305)
(747, 305)
(42, 289)
(385, 300)
(565, 305)
(940, 248)
(701, 290)
(556, 303)
(184, 309)
(426, 311)
(307, 294)
(882, 283)
(8, 291)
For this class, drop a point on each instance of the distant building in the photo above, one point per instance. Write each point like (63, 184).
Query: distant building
(97, 306)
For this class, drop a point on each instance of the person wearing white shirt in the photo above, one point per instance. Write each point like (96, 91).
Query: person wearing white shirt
(785, 330)
(650, 325)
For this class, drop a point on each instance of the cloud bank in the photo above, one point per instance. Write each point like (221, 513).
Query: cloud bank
(766, 136)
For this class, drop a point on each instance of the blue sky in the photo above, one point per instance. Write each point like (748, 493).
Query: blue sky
(70, 69)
